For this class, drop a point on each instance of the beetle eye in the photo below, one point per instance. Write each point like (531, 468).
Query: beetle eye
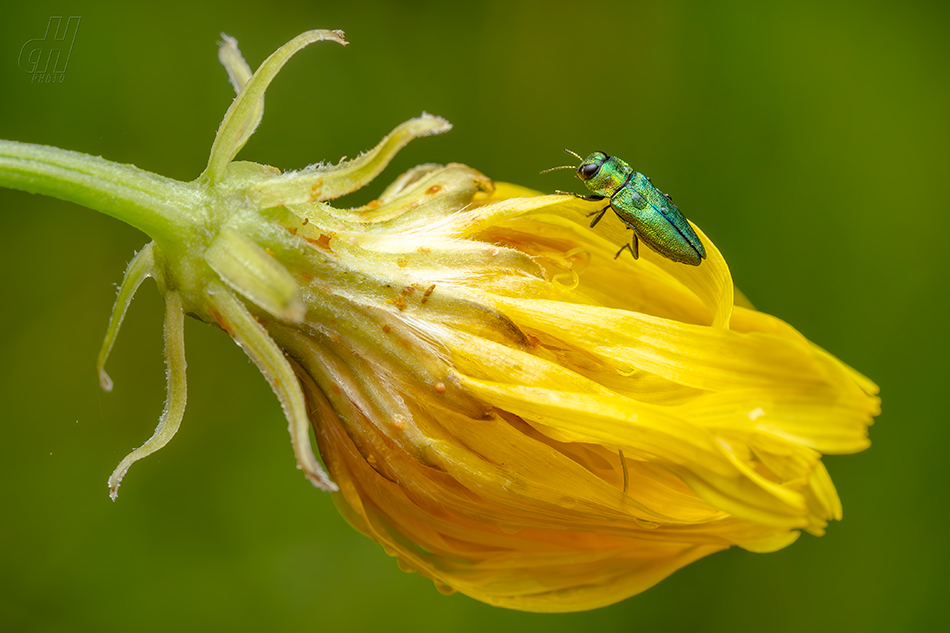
(588, 171)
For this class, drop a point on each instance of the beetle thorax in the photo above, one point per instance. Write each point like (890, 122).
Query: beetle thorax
(612, 175)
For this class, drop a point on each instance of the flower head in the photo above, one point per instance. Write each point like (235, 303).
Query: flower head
(499, 402)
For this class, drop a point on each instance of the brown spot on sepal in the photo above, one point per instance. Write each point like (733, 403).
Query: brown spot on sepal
(399, 302)
(315, 190)
(322, 242)
(222, 323)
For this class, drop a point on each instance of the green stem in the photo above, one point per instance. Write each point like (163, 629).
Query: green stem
(160, 207)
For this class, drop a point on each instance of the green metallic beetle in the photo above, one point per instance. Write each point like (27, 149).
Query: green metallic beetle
(646, 210)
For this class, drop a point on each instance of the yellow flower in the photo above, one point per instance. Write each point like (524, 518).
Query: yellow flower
(550, 429)
(500, 403)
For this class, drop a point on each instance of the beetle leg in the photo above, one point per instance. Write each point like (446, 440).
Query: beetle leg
(599, 215)
(633, 247)
(588, 198)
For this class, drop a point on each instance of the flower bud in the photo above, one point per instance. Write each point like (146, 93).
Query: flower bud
(501, 403)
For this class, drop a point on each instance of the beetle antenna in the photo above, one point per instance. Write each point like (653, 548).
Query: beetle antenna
(574, 154)
(561, 167)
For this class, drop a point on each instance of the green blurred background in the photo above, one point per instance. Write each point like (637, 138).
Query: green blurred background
(809, 140)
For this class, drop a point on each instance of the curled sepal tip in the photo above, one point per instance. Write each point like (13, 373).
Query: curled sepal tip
(141, 267)
(326, 182)
(246, 110)
(176, 391)
(230, 57)
(261, 348)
